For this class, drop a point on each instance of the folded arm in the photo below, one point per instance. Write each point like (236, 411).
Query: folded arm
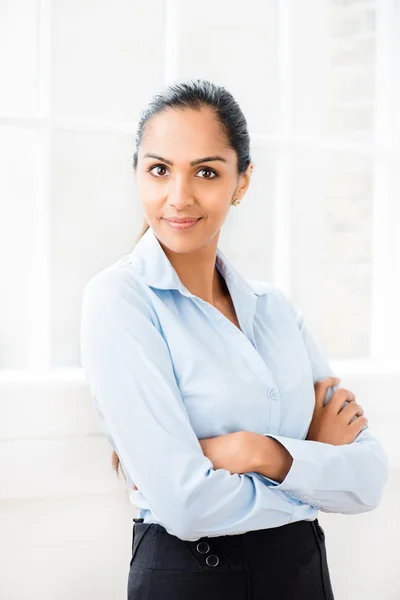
(347, 478)
(131, 377)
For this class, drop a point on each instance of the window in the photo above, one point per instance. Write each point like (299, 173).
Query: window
(319, 83)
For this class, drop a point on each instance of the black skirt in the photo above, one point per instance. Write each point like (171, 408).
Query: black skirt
(280, 563)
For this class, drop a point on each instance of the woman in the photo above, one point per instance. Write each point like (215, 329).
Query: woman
(227, 419)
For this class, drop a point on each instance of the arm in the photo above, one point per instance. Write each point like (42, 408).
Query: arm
(275, 460)
(130, 373)
(247, 451)
(347, 478)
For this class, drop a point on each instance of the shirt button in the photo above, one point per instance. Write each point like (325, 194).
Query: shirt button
(274, 394)
(202, 547)
(212, 560)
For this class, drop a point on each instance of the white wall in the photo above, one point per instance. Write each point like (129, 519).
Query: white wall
(66, 521)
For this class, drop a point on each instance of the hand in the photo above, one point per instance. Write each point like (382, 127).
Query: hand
(233, 451)
(331, 423)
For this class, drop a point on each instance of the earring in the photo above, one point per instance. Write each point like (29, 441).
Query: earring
(236, 202)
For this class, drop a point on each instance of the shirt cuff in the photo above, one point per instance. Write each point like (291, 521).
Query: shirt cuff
(305, 470)
(269, 480)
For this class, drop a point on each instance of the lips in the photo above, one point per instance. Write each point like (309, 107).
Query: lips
(182, 224)
(182, 219)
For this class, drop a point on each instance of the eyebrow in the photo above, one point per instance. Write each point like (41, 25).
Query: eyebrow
(193, 163)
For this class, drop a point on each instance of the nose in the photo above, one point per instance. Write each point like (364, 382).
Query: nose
(180, 195)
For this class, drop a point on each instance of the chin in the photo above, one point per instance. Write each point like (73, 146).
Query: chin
(181, 244)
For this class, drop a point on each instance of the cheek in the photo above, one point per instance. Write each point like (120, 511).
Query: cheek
(151, 201)
(221, 211)
(148, 186)
(216, 204)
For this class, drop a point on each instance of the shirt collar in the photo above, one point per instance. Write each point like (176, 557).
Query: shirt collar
(150, 260)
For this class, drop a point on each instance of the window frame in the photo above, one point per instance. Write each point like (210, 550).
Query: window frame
(385, 151)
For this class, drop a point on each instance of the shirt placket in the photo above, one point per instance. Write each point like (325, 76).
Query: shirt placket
(244, 342)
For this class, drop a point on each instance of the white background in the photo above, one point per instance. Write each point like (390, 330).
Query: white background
(319, 83)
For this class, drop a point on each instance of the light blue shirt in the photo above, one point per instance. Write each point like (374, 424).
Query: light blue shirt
(165, 369)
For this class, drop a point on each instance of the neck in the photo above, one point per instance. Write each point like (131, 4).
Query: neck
(198, 272)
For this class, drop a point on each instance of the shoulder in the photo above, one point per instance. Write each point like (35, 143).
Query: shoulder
(274, 298)
(117, 286)
(268, 289)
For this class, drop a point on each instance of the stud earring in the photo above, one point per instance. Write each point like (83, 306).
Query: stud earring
(236, 202)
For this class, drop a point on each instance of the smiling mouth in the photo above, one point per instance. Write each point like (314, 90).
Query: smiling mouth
(182, 224)
(182, 219)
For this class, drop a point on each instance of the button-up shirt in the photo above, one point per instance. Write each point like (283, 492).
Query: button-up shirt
(166, 368)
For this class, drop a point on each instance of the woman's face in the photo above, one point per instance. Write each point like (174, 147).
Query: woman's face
(169, 186)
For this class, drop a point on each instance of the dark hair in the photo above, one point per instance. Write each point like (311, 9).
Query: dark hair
(197, 94)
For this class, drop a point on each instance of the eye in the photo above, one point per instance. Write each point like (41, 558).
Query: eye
(160, 166)
(211, 171)
(155, 167)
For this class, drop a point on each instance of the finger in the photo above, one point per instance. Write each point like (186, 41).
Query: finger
(352, 408)
(328, 381)
(358, 423)
(322, 386)
(342, 398)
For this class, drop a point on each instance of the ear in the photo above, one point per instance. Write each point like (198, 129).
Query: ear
(244, 182)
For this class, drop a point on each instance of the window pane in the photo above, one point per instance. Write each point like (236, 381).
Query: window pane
(331, 258)
(107, 57)
(333, 68)
(18, 52)
(94, 220)
(352, 70)
(235, 45)
(17, 239)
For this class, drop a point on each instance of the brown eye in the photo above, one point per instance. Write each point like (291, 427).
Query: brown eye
(162, 167)
(210, 171)
(156, 167)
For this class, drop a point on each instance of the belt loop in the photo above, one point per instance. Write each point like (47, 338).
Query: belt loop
(136, 520)
(137, 536)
